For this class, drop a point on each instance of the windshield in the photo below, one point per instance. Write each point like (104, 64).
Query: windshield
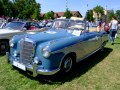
(77, 25)
(69, 24)
(60, 23)
(14, 25)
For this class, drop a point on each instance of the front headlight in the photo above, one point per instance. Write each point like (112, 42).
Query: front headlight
(46, 52)
(11, 43)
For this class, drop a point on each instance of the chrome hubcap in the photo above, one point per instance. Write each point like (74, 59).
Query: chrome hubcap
(67, 64)
(2, 47)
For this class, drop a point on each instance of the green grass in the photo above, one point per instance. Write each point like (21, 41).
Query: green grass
(100, 71)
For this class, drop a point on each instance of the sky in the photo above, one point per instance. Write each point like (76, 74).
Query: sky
(77, 5)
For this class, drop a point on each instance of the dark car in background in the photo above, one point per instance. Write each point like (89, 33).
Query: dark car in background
(14, 28)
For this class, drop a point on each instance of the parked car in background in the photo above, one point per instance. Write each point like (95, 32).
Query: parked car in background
(14, 28)
(49, 23)
(55, 50)
(2, 24)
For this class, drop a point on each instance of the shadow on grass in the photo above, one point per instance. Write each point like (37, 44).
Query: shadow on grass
(116, 43)
(79, 69)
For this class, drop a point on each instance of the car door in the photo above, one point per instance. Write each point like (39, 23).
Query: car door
(93, 42)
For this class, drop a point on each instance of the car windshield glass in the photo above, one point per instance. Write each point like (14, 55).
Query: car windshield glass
(77, 25)
(69, 24)
(14, 25)
(60, 24)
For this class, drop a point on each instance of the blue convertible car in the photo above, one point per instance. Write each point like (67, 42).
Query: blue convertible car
(58, 49)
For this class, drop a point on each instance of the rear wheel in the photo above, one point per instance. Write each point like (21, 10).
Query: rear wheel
(4, 47)
(103, 46)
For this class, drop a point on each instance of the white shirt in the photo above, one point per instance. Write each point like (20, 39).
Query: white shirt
(114, 24)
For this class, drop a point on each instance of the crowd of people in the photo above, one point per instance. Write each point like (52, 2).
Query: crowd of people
(111, 28)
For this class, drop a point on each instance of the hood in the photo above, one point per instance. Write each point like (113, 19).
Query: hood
(7, 31)
(49, 35)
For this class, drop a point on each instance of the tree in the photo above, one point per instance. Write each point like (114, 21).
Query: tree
(49, 15)
(99, 10)
(6, 7)
(67, 14)
(27, 8)
(89, 15)
(1, 8)
(36, 14)
(118, 14)
(110, 15)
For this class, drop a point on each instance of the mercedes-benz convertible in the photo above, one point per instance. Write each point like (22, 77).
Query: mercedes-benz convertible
(57, 50)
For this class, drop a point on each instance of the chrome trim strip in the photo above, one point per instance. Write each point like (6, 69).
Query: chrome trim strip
(70, 46)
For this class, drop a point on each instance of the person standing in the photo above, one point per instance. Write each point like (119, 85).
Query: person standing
(113, 29)
(99, 26)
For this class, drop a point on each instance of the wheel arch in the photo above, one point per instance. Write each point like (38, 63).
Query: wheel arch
(4, 40)
(72, 55)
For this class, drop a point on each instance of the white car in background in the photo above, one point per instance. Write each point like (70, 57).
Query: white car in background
(15, 28)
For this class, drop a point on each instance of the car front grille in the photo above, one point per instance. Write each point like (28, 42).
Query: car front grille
(27, 52)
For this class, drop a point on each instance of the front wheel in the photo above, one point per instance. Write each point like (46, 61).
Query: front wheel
(67, 65)
(4, 47)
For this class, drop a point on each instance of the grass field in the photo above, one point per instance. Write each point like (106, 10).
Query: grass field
(100, 71)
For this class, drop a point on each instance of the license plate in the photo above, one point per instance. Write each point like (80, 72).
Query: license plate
(19, 65)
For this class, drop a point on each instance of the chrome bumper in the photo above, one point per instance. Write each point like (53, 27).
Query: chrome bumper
(42, 72)
(7, 54)
(33, 68)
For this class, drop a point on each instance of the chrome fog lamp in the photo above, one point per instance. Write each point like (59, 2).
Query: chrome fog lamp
(46, 52)
(15, 53)
(36, 60)
(11, 43)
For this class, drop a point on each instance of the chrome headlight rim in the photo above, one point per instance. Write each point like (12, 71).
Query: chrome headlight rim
(46, 52)
(11, 43)
(15, 53)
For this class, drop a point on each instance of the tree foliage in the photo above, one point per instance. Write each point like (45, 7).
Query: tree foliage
(99, 10)
(25, 9)
(110, 15)
(36, 14)
(5, 7)
(1, 8)
(67, 14)
(118, 14)
(49, 15)
(89, 15)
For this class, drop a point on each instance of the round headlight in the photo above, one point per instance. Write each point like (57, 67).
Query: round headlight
(46, 52)
(11, 43)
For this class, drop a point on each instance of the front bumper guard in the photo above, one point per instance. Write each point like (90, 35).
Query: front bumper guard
(34, 68)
